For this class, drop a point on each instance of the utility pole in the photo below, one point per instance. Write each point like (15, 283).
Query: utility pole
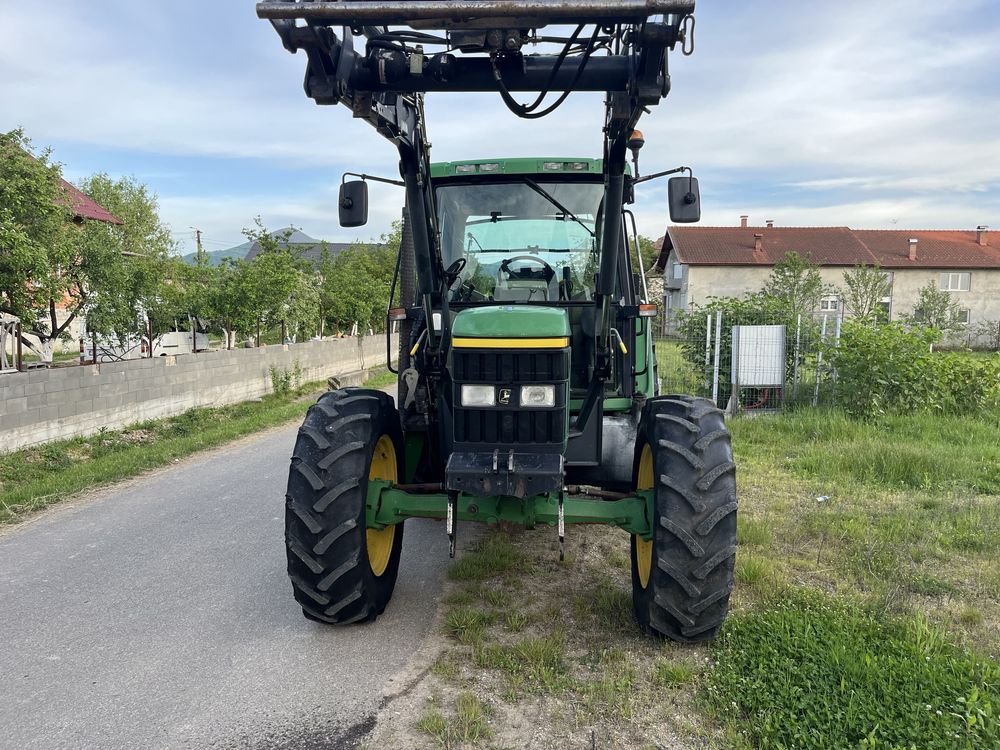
(197, 237)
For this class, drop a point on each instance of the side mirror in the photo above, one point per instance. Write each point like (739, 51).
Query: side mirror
(354, 203)
(684, 200)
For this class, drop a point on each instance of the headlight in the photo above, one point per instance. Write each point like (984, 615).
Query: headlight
(538, 395)
(478, 395)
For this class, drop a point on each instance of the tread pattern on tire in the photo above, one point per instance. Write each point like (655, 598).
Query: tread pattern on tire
(694, 544)
(325, 507)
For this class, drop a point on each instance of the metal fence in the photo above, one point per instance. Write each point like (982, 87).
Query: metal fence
(753, 366)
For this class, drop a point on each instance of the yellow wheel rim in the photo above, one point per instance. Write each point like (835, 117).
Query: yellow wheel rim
(644, 548)
(379, 541)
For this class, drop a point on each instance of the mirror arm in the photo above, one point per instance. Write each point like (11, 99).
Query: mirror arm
(386, 180)
(657, 175)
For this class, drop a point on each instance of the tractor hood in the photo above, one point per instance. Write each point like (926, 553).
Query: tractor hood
(521, 322)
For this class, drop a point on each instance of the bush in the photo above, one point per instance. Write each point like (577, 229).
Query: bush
(888, 368)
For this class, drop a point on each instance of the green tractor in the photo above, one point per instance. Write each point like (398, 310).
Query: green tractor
(527, 388)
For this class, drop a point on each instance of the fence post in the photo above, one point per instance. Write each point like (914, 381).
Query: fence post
(819, 361)
(707, 379)
(20, 352)
(833, 371)
(734, 395)
(715, 372)
(795, 361)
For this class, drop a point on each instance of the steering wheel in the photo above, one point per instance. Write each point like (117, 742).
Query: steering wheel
(550, 272)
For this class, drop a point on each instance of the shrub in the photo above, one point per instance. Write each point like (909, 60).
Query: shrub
(888, 368)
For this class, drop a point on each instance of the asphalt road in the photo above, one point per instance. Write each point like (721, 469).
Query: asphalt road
(158, 615)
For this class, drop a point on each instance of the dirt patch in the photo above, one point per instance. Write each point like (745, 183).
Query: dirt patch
(530, 652)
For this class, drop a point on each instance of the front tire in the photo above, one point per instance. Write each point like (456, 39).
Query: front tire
(340, 571)
(683, 576)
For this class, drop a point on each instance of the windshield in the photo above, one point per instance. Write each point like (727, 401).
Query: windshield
(525, 240)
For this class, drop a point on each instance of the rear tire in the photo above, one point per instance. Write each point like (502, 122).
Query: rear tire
(340, 571)
(682, 578)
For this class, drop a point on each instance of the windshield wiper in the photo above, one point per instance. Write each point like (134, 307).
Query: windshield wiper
(566, 212)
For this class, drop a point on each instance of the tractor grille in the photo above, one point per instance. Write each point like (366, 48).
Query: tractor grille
(542, 430)
(503, 367)
(504, 427)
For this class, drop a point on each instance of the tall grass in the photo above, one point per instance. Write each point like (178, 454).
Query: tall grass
(925, 451)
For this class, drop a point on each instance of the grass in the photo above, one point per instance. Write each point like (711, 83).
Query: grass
(866, 605)
(469, 722)
(813, 672)
(493, 555)
(34, 478)
(867, 590)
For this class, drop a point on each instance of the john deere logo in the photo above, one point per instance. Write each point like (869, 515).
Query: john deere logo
(504, 397)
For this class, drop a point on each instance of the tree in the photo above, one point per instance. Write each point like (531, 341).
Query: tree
(273, 279)
(796, 286)
(989, 331)
(40, 265)
(866, 286)
(143, 284)
(355, 285)
(227, 303)
(936, 309)
(648, 254)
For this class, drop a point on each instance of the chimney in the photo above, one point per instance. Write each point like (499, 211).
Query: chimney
(981, 235)
(770, 223)
(913, 248)
(743, 221)
(758, 243)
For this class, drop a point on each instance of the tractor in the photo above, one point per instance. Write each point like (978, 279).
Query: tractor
(527, 382)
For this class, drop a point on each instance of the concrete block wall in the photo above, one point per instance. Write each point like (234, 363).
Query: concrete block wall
(43, 405)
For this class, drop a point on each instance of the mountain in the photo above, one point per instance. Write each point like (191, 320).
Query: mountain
(296, 238)
(215, 256)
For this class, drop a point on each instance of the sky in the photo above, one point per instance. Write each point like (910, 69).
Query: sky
(865, 114)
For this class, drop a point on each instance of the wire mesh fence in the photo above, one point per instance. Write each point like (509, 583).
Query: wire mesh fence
(756, 365)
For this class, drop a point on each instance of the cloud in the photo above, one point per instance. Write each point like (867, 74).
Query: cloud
(850, 113)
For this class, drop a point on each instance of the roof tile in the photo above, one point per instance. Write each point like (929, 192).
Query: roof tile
(831, 246)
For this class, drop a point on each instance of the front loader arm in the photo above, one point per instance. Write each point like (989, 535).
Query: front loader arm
(381, 60)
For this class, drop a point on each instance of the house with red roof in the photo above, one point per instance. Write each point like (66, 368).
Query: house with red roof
(701, 262)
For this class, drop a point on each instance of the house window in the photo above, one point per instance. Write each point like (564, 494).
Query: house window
(829, 304)
(678, 271)
(883, 309)
(962, 316)
(955, 282)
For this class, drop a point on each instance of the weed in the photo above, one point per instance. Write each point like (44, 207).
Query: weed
(434, 723)
(493, 555)
(753, 570)
(609, 604)
(929, 585)
(672, 673)
(470, 718)
(515, 621)
(532, 663)
(496, 597)
(460, 598)
(753, 532)
(467, 625)
(970, 616)
(446, 666)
